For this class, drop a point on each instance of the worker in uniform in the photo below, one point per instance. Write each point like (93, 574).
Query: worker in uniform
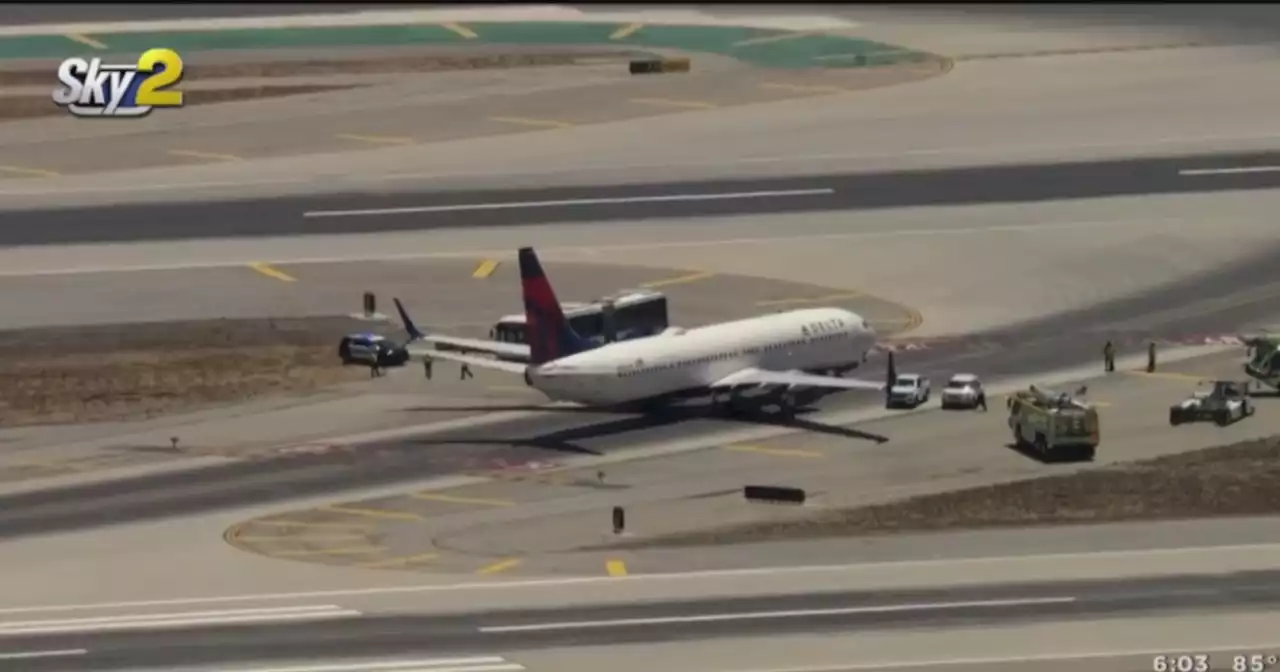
(1151, 357)
(465, 372)
(982, 400)
(426, 366)
(1109, 356)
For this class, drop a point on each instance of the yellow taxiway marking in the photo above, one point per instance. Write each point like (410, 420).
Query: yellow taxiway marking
(770, 39)
(85, 40)
(453, 499)
(33, 172)
(302, 539)
(350, 550)
(626, 31)
(816, 299)
(681, 280)
(485, 269)
(376, 139)
(272, 272)
(460, 29)
(526, 121)
(304, 525)
(500, 566)
(372, 513)
(782, 452)
(802, 88)
(1171, 375)
(667, 102)
(400, 562)
(616, 568)
(213, 156)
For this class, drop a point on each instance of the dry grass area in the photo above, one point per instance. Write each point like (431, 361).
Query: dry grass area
(118, 372)
(1234, 480)
(32, 107)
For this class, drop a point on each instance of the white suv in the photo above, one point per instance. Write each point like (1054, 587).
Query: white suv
(962, 391)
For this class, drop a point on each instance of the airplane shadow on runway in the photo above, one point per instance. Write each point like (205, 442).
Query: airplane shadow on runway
(566, 440)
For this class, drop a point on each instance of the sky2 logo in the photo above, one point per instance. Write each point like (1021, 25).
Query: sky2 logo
(94, 89)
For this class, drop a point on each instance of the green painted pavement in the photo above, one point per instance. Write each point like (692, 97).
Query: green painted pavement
(756, 46)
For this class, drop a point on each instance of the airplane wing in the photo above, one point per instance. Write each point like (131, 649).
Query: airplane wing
(479, 361)
(518, 350)
(754, 376)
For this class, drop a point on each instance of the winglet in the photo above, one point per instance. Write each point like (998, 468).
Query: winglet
(409, 326)
(548, 332)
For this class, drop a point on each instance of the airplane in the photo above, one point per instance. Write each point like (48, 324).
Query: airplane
(780, 351)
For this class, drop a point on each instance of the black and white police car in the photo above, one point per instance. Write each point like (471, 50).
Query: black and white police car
(372, 350)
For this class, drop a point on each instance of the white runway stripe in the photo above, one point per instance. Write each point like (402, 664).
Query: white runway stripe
(173, 620)
(30, 655)
(473, 664)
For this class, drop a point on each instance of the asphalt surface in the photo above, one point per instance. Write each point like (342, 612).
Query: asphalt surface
(1036, 346)
(422, 211)
(499, 632)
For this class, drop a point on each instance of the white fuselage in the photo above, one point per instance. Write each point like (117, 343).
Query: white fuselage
(679, 361)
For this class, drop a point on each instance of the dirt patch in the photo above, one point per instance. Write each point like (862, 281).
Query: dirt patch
(119, 372)
(195, 70)
(30, 107)
(1233, 480)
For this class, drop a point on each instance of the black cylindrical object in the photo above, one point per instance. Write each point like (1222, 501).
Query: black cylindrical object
(370, 303)
(774, 493)
(619, 520)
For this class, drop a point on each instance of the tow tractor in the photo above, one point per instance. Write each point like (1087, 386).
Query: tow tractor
(1226, 403)
(1056, 425)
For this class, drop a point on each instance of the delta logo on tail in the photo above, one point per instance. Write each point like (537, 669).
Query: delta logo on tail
(549, 334)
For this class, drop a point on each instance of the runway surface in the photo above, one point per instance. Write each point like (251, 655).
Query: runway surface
(112, 642)
(356, 213)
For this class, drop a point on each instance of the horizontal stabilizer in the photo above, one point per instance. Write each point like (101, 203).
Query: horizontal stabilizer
(479, 361)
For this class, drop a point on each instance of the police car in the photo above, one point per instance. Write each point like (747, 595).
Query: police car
(371, 350)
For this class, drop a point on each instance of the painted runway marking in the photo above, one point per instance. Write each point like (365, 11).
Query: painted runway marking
(782, 452)
(53, 653)
(526, 121)
(156, 621)
(453, 499)
(680, 280)
(401, 561)
(272, 272)
(32, 172)
(626, 31)
(758, 615)
(616, 568)
(372, 513)
(475, 664)
(459, 29)
(1244, 170)
(214, 156)
(516, 205)
(702, 575)
(376, 139)
(500, 566)
(485, 269)
(843, 296)
(667, 102)
(86, 40)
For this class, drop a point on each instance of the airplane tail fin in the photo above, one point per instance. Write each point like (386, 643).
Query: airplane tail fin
(548, 332)
(409, 326)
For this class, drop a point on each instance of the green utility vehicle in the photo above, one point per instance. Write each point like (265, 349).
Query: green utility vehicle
(1055, 425)
(1264, 366)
